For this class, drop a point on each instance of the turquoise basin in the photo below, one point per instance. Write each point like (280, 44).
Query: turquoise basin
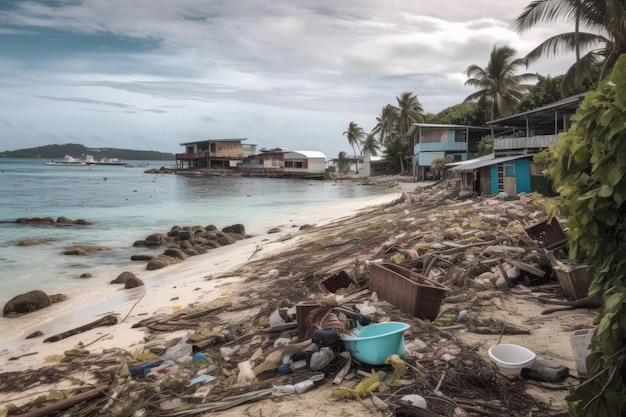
(374, 343)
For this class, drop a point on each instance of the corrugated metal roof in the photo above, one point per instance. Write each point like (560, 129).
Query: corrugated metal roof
(306, 154)
(213, 140)
(480, 163)
(443, 126)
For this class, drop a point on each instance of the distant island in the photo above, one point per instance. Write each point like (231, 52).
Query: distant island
(76, 150)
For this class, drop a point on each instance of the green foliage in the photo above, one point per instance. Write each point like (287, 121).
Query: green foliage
(485, 146)
(588, 168)
(76, 150)
(466, 114)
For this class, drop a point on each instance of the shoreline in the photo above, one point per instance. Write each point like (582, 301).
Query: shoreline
(187, 282)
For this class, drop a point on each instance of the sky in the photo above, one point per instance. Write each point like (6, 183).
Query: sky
(152, 74)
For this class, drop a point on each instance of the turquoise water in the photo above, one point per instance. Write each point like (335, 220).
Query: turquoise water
(125, 205)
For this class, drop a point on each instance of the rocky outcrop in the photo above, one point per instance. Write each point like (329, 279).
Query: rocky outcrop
(133, 282)
(123, 277)
(49, 221)
(36, 241)
(183, 242)
(29, 302)
(81, 250)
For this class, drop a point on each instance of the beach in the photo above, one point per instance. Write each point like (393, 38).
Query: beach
(242, 277)
(165, 289)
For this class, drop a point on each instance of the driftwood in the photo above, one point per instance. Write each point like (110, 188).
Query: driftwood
(63, 404)
(104, 321)
(586, 302)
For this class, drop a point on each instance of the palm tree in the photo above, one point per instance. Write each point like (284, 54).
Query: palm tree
(343, 162)
(498, 82)
(355, 135)
(385, 123)
(396, 151)
(408, 111)
(605, 38)
(370, 145)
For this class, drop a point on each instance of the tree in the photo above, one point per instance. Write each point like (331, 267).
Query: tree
(385, 123)
(343, 162)
(408, 111)
(485, 146)
(370, 145)
(498, 82)
(466, 114)
(587, 168)
(396, 152)
(438, 165)
(355, 135)
(604, 38)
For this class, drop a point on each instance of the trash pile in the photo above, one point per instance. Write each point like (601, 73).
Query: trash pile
(365, 307)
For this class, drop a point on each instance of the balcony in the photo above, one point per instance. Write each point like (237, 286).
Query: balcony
(526, 143)
(440, 147)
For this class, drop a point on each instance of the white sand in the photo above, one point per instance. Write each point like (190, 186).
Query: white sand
(165, 290)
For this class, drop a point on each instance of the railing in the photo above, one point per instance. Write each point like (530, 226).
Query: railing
(440, 146)
(532, 142)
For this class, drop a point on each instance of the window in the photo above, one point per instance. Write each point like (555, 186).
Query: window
(509, 170)
(293, 164)
(459, 136)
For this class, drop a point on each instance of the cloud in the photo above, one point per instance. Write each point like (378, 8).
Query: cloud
(293, 73)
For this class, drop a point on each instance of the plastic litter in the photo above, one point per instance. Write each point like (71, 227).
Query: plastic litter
(179, 352)
(201, 380)
(414, 399)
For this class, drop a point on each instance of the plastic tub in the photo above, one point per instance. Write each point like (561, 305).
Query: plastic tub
(374, 343)
(580, 346)
(510, 358)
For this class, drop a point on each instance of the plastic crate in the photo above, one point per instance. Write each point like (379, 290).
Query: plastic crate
(411, 292)
(573, 279)
(547, 235)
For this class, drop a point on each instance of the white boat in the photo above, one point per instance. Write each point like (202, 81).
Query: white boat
(68, 161)
(103, 161)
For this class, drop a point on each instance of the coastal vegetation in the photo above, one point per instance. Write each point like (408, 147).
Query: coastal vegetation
(587, 168)
(59, 151)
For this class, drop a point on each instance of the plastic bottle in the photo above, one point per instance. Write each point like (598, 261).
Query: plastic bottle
(304, 386)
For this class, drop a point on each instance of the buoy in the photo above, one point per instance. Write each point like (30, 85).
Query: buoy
(58, 203)
(27, 208)
(83, 201)
(21, 180)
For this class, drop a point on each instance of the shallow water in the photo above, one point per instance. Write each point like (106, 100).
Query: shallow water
(124, 205)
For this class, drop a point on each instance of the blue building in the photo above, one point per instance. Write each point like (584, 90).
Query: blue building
(516, 140)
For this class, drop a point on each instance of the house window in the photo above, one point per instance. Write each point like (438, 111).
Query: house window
(509, 170)
(457, 157)
(293, 164)
(459, 136)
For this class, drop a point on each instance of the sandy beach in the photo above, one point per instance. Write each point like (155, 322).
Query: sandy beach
(240, 275)
(165, 290)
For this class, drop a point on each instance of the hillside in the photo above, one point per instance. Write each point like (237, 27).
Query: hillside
(76, 150)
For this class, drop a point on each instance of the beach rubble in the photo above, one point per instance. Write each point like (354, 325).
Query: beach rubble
(256, 344)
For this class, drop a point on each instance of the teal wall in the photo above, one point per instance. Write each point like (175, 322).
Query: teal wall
(522, 175)
(494, 179)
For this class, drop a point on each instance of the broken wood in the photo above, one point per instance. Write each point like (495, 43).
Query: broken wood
(587, 302)
(66, 403)
(104, 321)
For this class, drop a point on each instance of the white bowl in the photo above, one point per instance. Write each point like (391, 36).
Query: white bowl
(510, 358)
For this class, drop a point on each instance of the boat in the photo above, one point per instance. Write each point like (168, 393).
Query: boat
(68, 161)
(103, 161)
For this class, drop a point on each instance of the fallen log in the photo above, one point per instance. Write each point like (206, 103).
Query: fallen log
(586, 302)
(104, 321)
(63, 404)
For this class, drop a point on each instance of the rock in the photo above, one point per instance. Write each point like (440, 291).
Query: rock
(34, 242)
(55, 298)
(306, 226)
(175, 253)
(141, 257)
(273, 230)
(211, 228)
(156, 239)
(26, 303)
(86, 275)
(236, 229)
(225, 239)
(161, 261)
(34, 334)
(133, 282)
(35, 220)
(81, 250)
(123, 277)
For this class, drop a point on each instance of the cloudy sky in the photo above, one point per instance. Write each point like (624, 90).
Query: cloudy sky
(150, 74)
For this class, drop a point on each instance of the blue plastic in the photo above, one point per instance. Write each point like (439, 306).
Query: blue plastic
(374, 343)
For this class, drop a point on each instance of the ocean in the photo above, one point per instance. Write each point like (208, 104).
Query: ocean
(125, 204)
